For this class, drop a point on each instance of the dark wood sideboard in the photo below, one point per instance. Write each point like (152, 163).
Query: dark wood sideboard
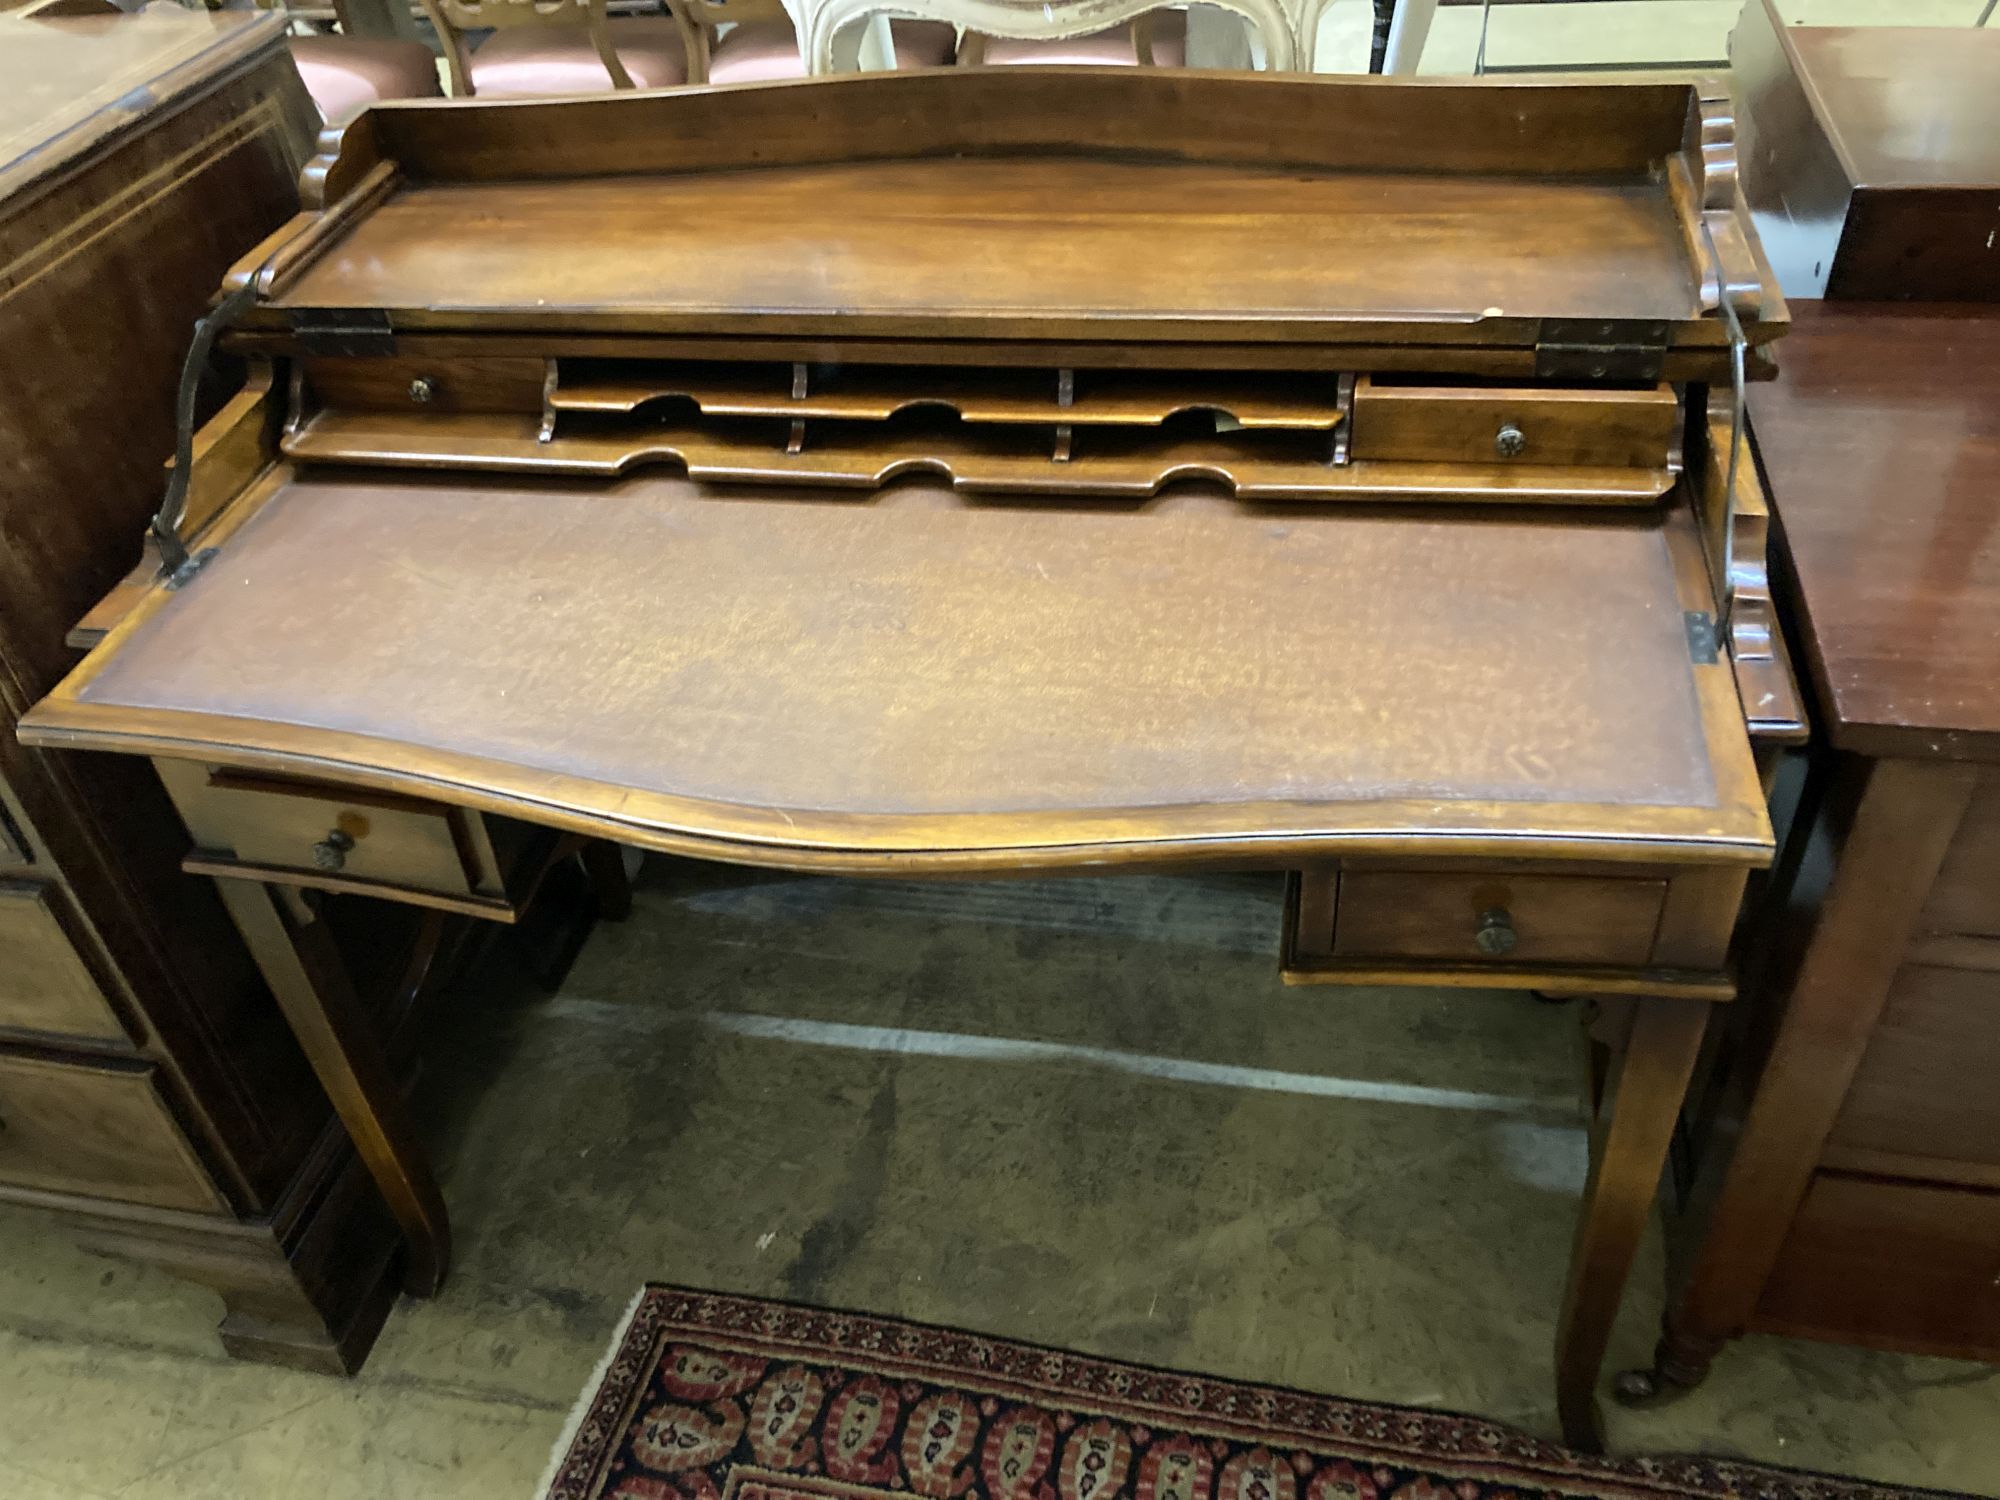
(151, 1097)
(1861, 1199)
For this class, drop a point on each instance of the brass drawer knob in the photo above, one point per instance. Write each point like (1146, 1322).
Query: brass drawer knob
(330, 853)
(1495, 934)
(1510, 441)
(423, 389)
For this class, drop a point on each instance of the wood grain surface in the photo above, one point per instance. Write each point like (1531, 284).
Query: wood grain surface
(923, 672)
(1882, 450)
(1024, 241)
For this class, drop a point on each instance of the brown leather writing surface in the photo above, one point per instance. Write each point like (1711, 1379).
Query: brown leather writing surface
(919, 657)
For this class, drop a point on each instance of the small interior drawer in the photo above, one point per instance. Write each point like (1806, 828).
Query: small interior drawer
(1635, 427)
(1414, 915)
(96, 1128)
(340, 838)
(45, 986)
(1890, 1263)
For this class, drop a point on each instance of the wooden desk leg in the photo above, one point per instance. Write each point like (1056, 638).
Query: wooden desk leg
(1630, 1152)
(296, 954)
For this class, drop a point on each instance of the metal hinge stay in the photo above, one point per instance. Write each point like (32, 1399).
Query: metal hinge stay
(1600, 349)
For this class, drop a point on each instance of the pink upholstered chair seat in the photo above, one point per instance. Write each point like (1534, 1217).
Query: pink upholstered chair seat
(344, 73)
(1113, 48)
(562, 60)
(759, 51)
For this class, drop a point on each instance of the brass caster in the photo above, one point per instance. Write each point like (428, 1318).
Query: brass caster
(1639, 1390)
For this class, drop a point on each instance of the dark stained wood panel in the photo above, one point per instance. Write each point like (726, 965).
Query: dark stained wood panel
(1907, 105)
(871, 670)
(1881, 445)
(1017, 243)
(69, 84)
(1929, 1082)
(1896, 1265)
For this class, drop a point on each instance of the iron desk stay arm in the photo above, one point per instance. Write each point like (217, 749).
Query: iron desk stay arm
(595, 536)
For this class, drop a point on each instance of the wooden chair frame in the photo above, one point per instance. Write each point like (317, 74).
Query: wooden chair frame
(700, 20)
(972, 44)
(1033, 20)
(453, 18)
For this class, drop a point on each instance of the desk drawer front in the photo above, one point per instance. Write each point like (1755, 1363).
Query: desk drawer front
(323, 833)
(45, 985)
(1524, 425)
(1499, 919)
(97, 1129)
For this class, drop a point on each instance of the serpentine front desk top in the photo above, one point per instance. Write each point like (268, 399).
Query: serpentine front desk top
(906, 474)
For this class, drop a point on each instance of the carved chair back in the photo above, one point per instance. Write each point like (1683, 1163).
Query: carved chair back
(453, 18)
(702, 20)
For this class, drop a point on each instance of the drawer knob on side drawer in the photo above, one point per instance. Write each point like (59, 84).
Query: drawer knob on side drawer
(1495, 934)
(1510, 441)
(330, 853)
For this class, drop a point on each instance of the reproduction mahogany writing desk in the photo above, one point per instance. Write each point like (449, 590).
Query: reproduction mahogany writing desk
(1356, 508)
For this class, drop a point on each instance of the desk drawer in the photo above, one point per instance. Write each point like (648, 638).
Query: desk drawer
(1416, 915)
(1636, 428)
(340, 838)
(44, 983)
(99, 1129)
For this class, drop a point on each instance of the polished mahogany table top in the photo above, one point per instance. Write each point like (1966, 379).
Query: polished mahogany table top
(1881, 445)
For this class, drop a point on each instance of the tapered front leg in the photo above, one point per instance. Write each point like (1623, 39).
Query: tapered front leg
(292, 947)
(1629, 1151)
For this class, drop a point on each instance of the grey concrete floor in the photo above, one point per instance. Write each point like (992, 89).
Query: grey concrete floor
(1080, 1112)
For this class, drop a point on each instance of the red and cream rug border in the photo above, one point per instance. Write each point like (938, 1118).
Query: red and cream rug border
(1451, 1445)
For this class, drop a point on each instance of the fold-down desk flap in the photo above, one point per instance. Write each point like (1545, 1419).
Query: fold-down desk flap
(1062, 204)
(918, 677)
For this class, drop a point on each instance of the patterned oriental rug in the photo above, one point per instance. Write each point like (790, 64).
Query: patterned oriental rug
(711, 1397)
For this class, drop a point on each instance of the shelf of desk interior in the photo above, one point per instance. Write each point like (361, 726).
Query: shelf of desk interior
(1004, 686)
(1255, 400)
(1121, 466)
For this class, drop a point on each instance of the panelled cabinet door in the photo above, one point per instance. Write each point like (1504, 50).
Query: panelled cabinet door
(45, 985)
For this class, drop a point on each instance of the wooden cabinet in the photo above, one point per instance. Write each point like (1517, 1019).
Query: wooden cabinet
(151, 1099)
(1851, 1187)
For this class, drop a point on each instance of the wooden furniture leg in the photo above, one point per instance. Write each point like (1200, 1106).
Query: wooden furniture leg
(1905, 815)
(1409, 29)
(1629, 1151)
(296, 954)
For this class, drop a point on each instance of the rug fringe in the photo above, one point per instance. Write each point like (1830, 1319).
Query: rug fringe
(590, 1389)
